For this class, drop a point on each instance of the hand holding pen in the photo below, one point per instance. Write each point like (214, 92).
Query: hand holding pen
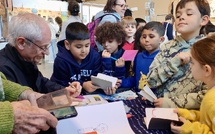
(75, 89)
(106, 54)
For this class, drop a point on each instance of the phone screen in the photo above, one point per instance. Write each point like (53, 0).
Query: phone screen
(63, 113)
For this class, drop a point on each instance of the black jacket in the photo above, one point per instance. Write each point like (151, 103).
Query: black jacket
(25, 73)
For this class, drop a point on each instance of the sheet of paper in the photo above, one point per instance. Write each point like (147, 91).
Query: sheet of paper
(162, 113)
(148, 94)
(112, 79)
(129, 55)
(97, 118)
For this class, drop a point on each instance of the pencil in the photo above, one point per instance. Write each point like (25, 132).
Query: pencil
(113, 58)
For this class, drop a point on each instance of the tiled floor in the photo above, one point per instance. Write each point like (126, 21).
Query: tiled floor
(46, 69)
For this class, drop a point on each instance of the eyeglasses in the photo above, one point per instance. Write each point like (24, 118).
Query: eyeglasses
(122, 5)
(44, 49)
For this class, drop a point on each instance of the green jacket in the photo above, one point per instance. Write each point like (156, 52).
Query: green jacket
(173, 81)
(9, 91)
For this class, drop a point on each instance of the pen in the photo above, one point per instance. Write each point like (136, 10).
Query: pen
(113, 58)
(80, 97)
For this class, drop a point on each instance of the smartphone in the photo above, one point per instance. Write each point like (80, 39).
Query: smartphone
(65, 112)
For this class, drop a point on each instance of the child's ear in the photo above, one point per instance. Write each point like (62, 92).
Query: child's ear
(208, 70)
(162, 38)
(205, 20)
(67, 44)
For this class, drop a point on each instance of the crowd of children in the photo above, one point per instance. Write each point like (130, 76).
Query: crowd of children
(177, 78)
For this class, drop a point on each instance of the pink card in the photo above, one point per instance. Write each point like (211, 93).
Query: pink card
(129, 55)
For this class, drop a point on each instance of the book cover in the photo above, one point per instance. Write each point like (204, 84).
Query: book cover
(160, 118)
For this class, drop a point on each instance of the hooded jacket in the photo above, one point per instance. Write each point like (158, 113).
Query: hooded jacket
(67, 69)
(141, 64)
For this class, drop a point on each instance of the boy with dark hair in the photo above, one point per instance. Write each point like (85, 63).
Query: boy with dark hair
(140, 22)
(150, 40)
(76, 60)
(170, 71)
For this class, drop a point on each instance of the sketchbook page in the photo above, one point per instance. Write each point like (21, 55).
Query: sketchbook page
(149, 92)
(97, 118)
(108, 78)
(103, 84)
(160, 113)
(145, 95)
(90, 100)
(129, 55)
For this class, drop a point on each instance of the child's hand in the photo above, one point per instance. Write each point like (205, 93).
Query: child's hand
(110, 91)
(158, 102)
(118, 83)
(177, 129)
(120, 62)
(184, 57)
(89, 87)
(105, 54)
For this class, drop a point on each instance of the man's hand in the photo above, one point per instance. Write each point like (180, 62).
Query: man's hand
(74, 88)
(30, 119)
(31, 96)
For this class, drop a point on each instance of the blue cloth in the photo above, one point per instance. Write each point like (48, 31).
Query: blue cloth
(67, 69)
(113, 17)
(141, 64)
(109, 66)
(169, 31)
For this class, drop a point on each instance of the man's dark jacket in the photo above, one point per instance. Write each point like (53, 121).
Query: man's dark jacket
(16, 69)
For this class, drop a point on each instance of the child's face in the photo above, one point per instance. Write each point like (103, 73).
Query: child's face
(197, 69)
(189, 21)
(111, 46)
(130, 30)
(150, 40)
(79, 49)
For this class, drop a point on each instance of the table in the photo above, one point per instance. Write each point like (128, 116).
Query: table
(138, 112)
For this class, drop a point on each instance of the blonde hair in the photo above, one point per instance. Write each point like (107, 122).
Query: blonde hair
(128, 20)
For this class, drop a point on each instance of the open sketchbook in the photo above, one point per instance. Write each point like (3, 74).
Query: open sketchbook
(89, 100)
(148, 94)
(109, 118)
(103, 81)
(160, 118)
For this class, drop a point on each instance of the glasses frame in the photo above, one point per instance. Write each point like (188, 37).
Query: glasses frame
(44, 49)
(122, 5)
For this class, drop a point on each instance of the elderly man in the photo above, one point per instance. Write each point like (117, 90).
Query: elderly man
(29, 37)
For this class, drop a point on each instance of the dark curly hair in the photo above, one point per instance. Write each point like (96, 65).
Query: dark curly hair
(110, 31)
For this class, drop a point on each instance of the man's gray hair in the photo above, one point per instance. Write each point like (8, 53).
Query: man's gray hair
(26, 25)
